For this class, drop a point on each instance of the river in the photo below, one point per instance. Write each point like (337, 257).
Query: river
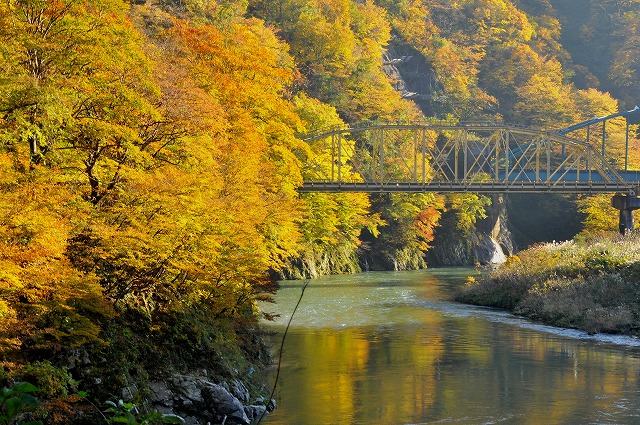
(392, 348)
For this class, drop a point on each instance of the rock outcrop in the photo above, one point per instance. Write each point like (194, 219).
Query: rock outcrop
(493, 238)
(202, 402)
(410, 74)
(489, 243)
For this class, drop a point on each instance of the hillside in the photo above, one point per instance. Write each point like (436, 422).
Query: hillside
(149, 160)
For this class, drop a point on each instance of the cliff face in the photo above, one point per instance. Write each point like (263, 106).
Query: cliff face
(494, 240)
(410, 74)
(489, 243)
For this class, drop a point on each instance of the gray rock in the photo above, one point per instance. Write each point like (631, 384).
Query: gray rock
(160, 394)
(240, 391)
(254, 412)
(189, 392)
(77, 357)
(129, 392)
(488, 251)
(191, 420)
(164, 409)
(224, 403)
(201, 402)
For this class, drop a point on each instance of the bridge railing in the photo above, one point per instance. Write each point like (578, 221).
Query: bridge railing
(456, 156)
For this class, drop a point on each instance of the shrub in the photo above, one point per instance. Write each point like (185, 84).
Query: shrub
(603, 261)
(591, 284)
(15, 401)
(51, 381)
(128, 413)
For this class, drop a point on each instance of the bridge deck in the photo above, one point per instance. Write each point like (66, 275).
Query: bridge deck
(516, 187)
(462, 157)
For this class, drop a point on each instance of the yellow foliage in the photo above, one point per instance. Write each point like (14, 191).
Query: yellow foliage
(470, 281)
(600, 215)
(6, 312)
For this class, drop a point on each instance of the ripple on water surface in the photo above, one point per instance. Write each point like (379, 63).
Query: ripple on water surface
(392, 348)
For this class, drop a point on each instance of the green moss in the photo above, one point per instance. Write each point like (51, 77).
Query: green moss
(50, 380)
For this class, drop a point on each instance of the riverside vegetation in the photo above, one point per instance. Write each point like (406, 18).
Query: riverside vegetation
(149, 166)
(590, 283)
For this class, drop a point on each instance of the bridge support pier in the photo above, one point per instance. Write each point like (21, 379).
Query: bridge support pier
(626, 204)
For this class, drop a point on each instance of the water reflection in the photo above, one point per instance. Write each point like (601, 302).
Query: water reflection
(385, 348)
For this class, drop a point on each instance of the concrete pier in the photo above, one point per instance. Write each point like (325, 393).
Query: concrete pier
(626, 204)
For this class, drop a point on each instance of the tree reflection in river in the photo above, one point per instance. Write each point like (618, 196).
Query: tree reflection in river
(389, 348)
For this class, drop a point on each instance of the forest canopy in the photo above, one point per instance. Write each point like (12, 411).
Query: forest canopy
(148, 153)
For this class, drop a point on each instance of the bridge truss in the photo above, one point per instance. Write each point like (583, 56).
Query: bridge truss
(456, 157)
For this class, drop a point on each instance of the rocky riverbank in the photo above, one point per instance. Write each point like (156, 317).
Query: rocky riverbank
(207, 373)
(199, 401)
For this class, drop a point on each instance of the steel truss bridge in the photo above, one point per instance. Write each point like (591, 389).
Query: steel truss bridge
(458, 157)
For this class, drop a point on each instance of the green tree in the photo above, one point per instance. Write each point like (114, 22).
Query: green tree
(468, 207)
(410, 220)
(545, 102)
(332, 223)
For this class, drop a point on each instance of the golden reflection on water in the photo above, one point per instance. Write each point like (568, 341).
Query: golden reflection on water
(452, 368)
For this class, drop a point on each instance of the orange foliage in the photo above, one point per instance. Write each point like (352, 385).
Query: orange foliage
(426, 222)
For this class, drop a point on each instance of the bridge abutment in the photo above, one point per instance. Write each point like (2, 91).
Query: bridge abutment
(626, 204)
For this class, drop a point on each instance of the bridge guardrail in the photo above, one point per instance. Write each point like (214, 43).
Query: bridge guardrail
(542, 158)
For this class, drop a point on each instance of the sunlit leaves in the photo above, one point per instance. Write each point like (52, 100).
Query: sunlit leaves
(338, 48)
(157, 191)
(79, 87)
(469, 208)
(600, 215)
(545, 102)
(37, 284)
(332, 222)
(245, 222)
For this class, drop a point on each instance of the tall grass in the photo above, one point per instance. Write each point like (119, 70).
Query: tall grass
(590, 283)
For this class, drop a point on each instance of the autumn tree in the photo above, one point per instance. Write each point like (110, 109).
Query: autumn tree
(42, 297)
(338, 45)
(600, 215)
(332, 223)
(73, 89)
(164, 196)
(207, 229)
(410, 221)
(63, 95)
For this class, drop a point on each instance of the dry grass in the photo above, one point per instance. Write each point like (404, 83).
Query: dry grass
(589, 283)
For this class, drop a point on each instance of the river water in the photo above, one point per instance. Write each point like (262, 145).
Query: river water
(392, 348)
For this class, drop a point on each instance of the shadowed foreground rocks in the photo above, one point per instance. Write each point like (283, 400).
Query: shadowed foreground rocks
(200, 401)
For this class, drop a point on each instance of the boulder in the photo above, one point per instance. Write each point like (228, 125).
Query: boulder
(200, 401)
(188, 393)
(224, 403)
(239, 390)
(255, 412)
